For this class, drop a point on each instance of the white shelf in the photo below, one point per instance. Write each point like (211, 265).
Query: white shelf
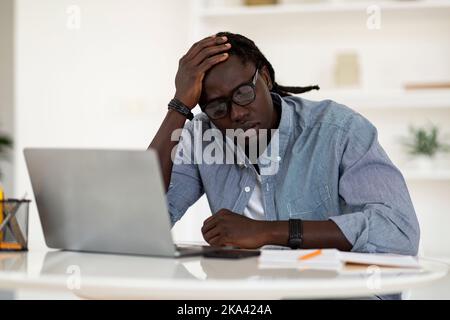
(323, 7)
(420, 99)
(423, 175)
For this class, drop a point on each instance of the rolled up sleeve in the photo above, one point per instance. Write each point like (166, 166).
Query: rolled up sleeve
(377, 215)
(185, 186)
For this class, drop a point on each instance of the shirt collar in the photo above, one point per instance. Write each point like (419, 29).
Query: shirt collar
(287, 112)
(283, 132)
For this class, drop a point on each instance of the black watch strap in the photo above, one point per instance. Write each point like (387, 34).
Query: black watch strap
(180, 107)
(295, 233)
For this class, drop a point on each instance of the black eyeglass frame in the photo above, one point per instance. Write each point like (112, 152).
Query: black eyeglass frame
(228, 100)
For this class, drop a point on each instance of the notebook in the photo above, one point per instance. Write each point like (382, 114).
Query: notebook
(331, 259)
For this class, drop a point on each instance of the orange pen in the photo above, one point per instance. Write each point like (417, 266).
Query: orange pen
(313, 254)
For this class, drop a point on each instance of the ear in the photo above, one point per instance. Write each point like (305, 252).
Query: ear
(266, 76)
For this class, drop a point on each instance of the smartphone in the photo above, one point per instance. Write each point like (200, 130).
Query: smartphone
(231, 254)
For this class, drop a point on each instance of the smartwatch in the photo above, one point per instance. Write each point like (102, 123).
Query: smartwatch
(295, 233)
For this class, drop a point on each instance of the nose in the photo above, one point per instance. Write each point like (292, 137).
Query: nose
(238, 113)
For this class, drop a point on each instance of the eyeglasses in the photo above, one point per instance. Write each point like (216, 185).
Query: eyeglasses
(242, 96)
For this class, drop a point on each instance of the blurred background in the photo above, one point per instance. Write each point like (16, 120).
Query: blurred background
(99, 74)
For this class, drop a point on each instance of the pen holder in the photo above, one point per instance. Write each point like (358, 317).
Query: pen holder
(14, 224)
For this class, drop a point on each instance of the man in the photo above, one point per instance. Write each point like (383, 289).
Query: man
(321, 181)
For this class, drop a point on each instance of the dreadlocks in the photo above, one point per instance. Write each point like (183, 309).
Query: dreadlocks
(246, 49)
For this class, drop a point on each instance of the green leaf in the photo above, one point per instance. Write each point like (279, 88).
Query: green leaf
(424, 141)
(5, 142)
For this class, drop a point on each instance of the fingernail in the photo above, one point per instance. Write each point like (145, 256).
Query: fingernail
(224, 38)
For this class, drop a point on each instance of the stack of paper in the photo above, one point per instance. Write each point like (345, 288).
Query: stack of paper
(380, 259)
(327, 259)
(330, 259)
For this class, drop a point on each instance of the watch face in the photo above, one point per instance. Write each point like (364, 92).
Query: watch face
(295, 233)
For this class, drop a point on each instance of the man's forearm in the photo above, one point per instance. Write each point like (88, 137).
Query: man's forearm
(163, 144)
(316, 234)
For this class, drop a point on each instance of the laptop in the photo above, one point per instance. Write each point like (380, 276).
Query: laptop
(105, 201)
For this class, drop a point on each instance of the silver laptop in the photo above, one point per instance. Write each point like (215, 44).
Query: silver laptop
(107, 201)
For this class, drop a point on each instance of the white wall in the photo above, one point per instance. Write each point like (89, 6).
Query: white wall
(105, 84)
(412, 45)
(6, 85)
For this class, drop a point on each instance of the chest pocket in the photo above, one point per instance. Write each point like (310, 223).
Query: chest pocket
(312, 205)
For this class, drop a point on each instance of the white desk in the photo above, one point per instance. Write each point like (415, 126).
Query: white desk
(132, 277)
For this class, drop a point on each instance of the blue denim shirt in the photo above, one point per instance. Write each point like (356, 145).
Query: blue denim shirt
(329, 165)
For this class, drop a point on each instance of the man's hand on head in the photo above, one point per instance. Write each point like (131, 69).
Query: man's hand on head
(226, 228)
(192, 67)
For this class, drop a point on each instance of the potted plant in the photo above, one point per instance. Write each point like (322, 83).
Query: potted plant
(259, 2)
(423, 144)
(5, 142)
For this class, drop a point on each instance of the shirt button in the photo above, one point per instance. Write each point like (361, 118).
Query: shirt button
(278, 158)
(247, 189)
